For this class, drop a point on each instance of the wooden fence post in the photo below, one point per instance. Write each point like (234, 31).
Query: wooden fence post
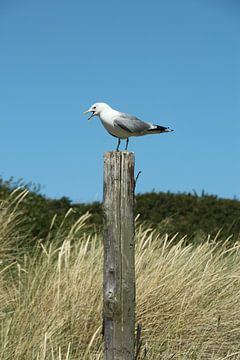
(119, 256)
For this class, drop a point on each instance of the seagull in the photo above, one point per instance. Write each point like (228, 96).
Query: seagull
(122, 125)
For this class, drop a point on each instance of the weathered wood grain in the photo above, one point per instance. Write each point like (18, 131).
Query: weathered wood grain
(119, 256)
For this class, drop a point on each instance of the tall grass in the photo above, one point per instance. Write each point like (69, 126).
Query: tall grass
(51, 298)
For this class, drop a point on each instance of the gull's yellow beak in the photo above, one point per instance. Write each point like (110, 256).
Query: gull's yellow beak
(88, 111)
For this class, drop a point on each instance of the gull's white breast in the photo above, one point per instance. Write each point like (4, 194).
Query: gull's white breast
(107, 118)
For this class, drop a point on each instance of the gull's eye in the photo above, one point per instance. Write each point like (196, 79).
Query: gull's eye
(94, 107)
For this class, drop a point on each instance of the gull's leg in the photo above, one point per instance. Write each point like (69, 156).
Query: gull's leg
(127, 143)
(119, 142)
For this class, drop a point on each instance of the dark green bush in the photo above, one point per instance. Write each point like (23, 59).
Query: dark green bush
(184, 213)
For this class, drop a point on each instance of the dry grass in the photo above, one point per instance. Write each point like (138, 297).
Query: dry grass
(50, 301)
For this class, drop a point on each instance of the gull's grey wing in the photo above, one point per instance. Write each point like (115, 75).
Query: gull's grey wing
(131, 123)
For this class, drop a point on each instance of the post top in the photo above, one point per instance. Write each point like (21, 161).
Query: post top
(119, 156)
(115, 152)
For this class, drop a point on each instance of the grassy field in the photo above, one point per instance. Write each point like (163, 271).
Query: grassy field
(51, 297)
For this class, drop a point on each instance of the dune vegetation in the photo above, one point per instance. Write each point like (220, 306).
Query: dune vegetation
(196, 215)
(51, 294)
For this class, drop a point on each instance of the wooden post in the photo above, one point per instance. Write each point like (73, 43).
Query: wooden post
(119, 259)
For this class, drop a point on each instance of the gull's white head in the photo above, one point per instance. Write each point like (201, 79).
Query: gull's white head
(96, 109)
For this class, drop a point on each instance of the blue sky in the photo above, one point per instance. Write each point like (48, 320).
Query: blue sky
(174, 63)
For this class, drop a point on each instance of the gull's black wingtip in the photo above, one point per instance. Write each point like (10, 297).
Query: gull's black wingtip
(165, 129)
(158, 129)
